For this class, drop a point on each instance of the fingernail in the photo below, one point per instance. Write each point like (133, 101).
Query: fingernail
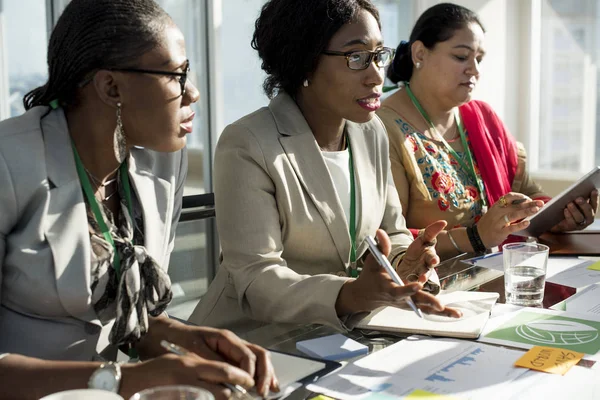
(535, 209)
(276, 385)
(265, 389)
(579, 201)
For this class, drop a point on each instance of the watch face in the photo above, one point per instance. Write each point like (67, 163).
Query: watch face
(105, 380)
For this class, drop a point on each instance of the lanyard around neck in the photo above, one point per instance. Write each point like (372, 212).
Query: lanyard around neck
(470, 168)
(89, 194)
(352, 222)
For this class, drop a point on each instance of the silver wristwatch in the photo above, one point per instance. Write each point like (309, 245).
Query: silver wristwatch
(106, 377)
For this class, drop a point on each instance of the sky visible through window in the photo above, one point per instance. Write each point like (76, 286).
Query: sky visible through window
(26, 42)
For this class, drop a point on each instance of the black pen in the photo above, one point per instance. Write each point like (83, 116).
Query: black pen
(237, 392)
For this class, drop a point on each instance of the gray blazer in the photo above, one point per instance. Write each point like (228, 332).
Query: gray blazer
(283, 232)
(45, 296)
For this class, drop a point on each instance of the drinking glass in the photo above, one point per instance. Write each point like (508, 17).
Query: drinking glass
(525, 273)
(176, 392)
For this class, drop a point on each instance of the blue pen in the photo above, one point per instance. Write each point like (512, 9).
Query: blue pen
(383, 261)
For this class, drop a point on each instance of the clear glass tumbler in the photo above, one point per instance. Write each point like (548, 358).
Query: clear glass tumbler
(525, 273)
(176, 392)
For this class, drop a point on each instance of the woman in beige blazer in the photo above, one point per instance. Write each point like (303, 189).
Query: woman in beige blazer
(92, 179)
(283, 180)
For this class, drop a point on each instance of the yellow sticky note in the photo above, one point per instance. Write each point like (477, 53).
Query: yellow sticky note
(322, 397)
(549, 359)
(424, 395)
(595, 266)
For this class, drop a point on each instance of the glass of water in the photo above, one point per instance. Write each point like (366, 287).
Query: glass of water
(176, 392)
(525, 273)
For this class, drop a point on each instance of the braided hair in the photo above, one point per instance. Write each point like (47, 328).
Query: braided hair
(96, 34)
(290, 36)
(437, 24)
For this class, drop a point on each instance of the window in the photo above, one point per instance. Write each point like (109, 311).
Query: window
(568, 109)
(192, 261)
(22, 53)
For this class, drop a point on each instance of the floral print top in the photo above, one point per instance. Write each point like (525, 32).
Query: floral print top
(431, 184)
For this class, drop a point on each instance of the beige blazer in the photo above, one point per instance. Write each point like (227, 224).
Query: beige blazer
(45, 297)
(283, 232)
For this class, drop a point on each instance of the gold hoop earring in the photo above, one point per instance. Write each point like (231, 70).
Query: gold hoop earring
(119, 141)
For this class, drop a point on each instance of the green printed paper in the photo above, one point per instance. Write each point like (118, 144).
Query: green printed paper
(539, 329)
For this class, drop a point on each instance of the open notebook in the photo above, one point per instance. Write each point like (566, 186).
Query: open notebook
(475, 306)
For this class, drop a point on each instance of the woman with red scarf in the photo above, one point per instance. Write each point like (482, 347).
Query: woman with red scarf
(452, 157)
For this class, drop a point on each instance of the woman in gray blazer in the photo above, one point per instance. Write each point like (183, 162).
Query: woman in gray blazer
(300, 183)
(92, 179)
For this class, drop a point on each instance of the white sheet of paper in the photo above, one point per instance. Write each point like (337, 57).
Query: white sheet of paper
(576, 276)
(586, 301)
(464, 369)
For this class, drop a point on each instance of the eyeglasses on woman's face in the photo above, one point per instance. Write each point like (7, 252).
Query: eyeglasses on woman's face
(182, 75)
(359, 60)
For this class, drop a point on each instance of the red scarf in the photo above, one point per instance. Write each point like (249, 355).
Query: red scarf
(493, 147)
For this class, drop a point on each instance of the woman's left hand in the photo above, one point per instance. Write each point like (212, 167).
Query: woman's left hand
(578, 214)
(420, 257)
(219, 345)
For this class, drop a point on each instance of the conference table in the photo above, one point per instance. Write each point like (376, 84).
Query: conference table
(455, 274)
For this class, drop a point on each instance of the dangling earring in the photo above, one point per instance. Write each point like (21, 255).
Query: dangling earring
(418, 65)
(119, 143)
(305, 83)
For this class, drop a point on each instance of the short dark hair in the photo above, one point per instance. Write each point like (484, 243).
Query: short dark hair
(96, 34)
(437, 24)
(290, 35)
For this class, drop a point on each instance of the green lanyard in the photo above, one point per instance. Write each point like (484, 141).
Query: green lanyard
(352, 227)
(89, 194)
(470, 168)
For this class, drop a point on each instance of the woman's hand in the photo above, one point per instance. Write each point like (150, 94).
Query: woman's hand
(216, 345)
(503, 218)
(375, 288)
(171, 369)
(420, 257)
(578, 214)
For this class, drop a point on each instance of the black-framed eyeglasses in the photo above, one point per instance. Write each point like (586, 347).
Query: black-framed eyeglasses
(182, 75)
(358, 60)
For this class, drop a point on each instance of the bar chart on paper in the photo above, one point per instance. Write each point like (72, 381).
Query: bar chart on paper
(464, 370)
(456, 369)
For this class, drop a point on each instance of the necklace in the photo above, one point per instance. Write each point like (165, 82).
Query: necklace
(97, 181)
(100, 186)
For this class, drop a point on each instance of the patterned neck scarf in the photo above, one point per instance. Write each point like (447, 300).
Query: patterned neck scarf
(144, 287)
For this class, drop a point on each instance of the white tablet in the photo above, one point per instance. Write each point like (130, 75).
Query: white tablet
(553, 211)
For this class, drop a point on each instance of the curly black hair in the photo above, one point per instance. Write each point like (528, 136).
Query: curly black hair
(437, 24)
(290, 35)
(95, 34)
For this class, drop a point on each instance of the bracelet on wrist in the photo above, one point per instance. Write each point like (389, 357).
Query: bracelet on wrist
(475, 239)
(453, 241)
